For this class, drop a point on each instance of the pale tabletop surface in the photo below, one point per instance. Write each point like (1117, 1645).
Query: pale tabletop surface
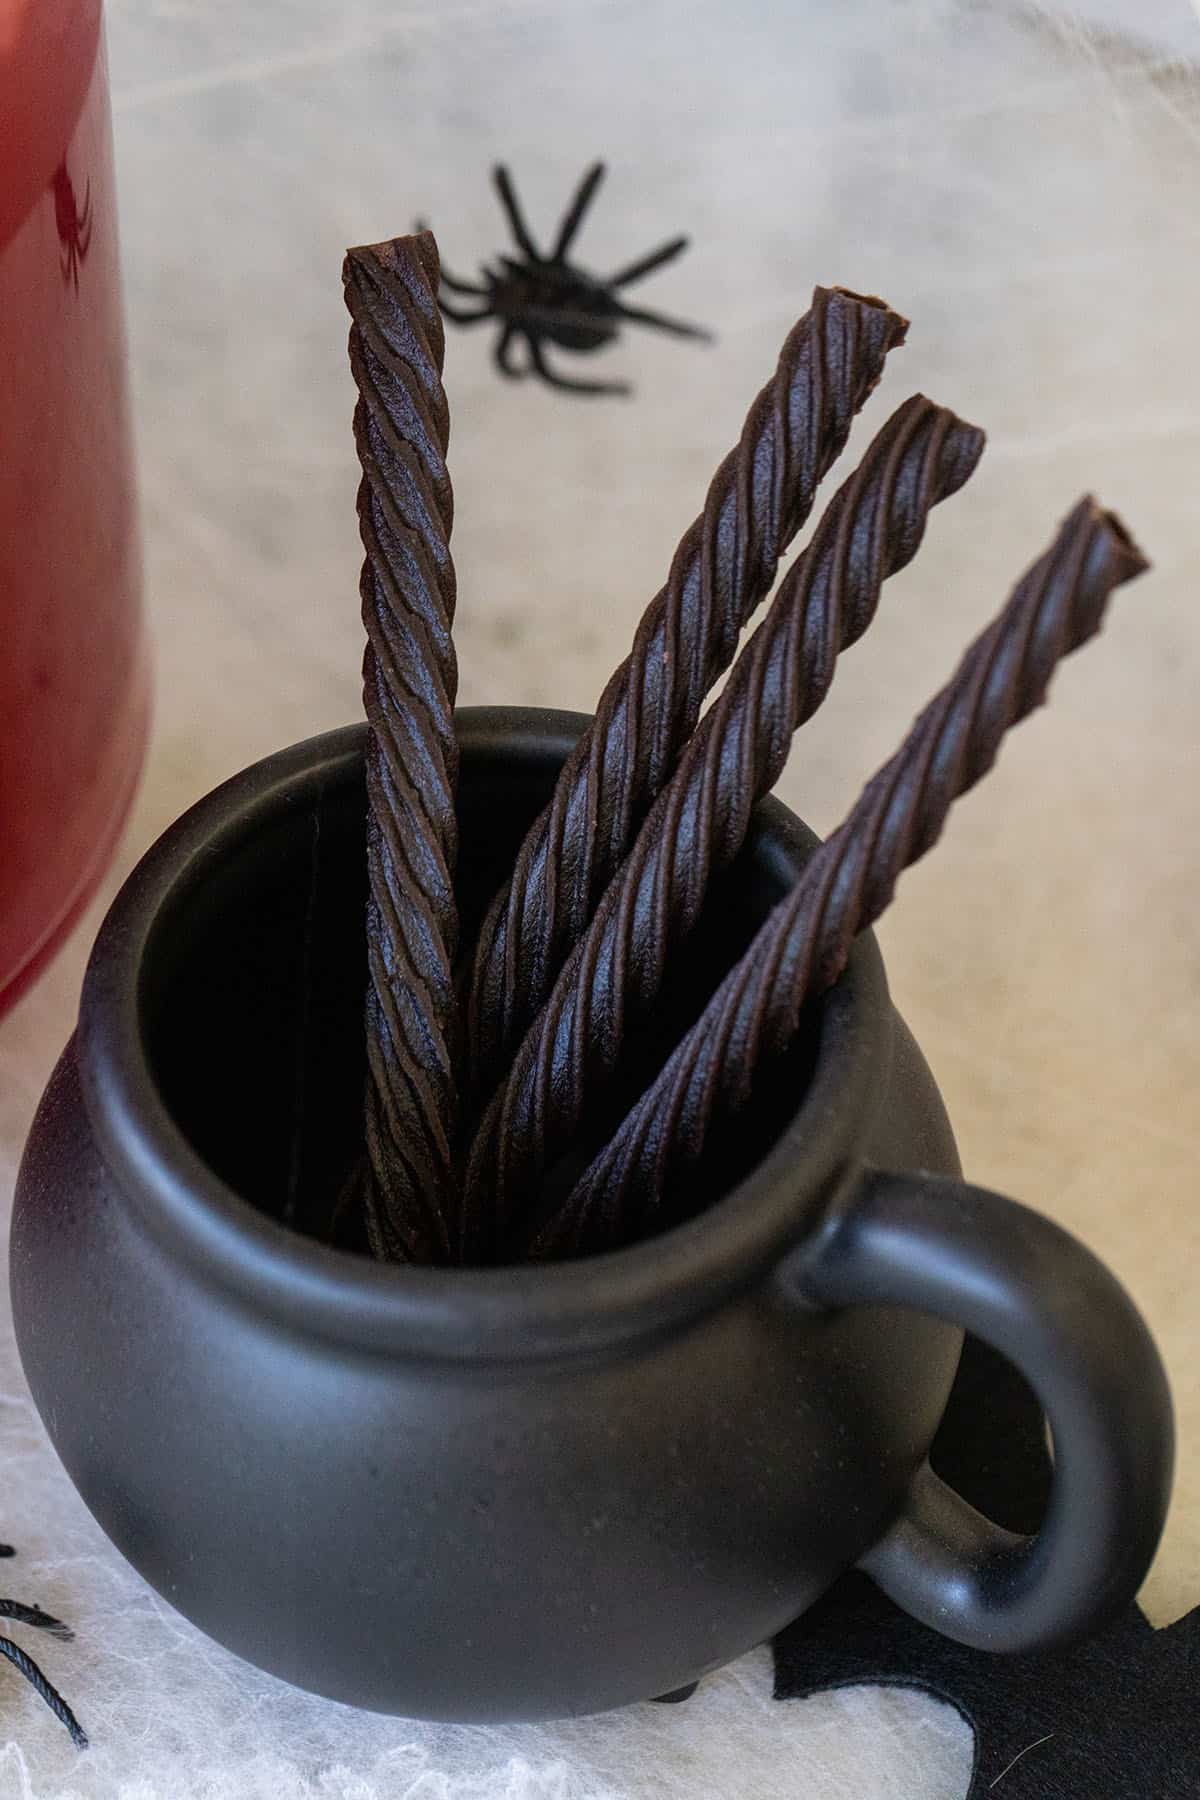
(1026, 193)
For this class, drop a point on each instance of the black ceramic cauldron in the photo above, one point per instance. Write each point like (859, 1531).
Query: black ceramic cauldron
(528, 1492)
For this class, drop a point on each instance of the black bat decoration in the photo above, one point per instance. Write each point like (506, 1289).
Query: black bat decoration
(1118, 1716)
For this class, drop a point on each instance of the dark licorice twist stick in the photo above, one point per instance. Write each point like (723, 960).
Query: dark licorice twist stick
(633, 1184)
(723, 567)
(410, 679)
(871, 528)
(42, 1621)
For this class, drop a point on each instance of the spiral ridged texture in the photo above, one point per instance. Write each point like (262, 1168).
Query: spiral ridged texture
(871, 528)
(633, 1185)
(724, 566)
(410, 678)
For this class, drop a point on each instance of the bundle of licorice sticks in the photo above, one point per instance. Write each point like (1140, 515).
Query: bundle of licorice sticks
(486, 1061)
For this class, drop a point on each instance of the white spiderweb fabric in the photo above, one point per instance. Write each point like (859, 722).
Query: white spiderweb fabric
(1021, 181)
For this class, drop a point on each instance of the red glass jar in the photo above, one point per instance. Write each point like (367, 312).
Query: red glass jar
(73, 671)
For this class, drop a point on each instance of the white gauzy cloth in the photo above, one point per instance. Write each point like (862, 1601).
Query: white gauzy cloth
(1022, 183)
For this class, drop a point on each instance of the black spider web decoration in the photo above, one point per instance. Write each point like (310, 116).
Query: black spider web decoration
(539, 299)
(1117, 1716)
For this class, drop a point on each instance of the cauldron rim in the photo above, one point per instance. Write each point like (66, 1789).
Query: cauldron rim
(510, 1313)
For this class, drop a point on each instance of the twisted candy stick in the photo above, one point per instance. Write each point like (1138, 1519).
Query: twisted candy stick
(724, 566)
(871, 528)
(803, 946)
(410, 677)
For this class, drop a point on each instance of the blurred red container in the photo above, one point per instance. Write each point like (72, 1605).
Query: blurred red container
(73, 671)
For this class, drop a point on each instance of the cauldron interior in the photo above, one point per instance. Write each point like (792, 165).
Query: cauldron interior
(252, 1007)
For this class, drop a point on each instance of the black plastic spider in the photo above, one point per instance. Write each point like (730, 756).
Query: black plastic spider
(546, 299)
(74, 224)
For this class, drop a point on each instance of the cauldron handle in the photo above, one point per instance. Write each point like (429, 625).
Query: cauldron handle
(1039, 1297)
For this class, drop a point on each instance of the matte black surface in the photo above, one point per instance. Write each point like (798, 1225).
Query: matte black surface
(480, 1494)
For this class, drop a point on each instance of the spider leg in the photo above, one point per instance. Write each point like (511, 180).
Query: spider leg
(511, 205)
(43, 1689)
(640, 315)
(462, 287)
(33, 1615)
(573, 217)
(463, 318)
(503, 358)
(564, 382)
(654, 259)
